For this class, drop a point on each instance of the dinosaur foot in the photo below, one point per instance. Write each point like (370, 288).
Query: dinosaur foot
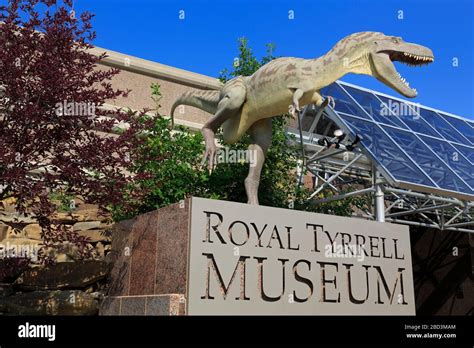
(251, 188)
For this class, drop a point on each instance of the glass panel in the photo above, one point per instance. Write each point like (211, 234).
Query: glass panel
(379, 111)
(409, 115)
(451, 156)
(443, 127)
(385, 153)
(461, 126)
(425, 158)
(468, 152)
(343, 102)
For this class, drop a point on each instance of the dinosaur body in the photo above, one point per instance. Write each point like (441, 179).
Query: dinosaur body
(245, 103)
(270, 91)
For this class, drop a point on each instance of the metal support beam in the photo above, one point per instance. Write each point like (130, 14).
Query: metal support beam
(325, 181)
(335, 176)
(379, 204)
(414, 211)
(422, 224)
(326, 155)
(427, 196)
(459, 224)
(413, 206)
(345, 195)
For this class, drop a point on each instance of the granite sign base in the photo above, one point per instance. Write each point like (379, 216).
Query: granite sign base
(149, 257)
(143, 305)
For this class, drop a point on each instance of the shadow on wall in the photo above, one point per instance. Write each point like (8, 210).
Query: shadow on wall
(443, 264)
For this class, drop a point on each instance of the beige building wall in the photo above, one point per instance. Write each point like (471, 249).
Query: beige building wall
(138, 74)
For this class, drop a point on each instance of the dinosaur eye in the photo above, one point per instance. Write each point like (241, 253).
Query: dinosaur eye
(395, 40)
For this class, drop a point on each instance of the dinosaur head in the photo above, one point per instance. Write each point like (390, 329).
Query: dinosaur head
(388, 49)
(374, 54)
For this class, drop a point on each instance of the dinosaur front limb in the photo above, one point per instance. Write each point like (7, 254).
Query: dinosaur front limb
(322, 103)
(261, 137)
(211, 149)
(294, 108)
(229, 106)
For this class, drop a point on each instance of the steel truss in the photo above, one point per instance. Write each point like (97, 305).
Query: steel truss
(347, 172)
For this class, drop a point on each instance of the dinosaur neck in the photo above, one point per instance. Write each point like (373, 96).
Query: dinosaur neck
(331, 67)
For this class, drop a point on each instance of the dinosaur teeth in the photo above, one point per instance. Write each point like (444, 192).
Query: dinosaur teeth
(416, 59)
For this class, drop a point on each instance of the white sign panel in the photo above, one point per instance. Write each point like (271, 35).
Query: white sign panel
(247, 259)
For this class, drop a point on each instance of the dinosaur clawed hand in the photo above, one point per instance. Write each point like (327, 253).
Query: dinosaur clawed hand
(329, 101)
(211, 150)
(294, 110)
(211, 157)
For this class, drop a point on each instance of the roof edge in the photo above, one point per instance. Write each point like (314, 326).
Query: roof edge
(154, 69)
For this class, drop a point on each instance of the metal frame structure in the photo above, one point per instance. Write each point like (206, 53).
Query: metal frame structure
(337, 166)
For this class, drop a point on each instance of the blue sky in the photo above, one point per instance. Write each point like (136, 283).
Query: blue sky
(206, 40)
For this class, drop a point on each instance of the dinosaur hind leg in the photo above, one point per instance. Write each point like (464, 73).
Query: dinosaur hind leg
(233, 97)
(261, 137)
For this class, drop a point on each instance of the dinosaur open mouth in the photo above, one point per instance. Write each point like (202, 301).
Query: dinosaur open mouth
(411, 60)
(392, 77)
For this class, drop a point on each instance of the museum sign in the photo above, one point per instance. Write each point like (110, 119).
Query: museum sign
(246, 259)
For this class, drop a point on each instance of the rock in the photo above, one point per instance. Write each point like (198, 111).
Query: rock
(66, 252)
(6, 289)
(11, 268)
(64, 275)
(16, 233)
(8, 205)
(107, 225)
(62, 257)
(100, 249)
(98, 295)
(4, 231)
(69, 302)
(86, 212)
(19, 242)
(63, 218)
(109, 258)
(17, 218)
(86, 225)
(96, 235)
(33, 231)
(64, 227)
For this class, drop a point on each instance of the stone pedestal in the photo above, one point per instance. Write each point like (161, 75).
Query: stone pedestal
(209, 257)
(149, 257)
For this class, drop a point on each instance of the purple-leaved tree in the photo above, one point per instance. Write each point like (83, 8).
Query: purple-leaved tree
(52, 123)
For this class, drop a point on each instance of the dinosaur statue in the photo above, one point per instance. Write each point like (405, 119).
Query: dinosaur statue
(247, 103)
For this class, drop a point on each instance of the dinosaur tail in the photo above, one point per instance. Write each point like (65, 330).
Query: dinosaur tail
(204, 100)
